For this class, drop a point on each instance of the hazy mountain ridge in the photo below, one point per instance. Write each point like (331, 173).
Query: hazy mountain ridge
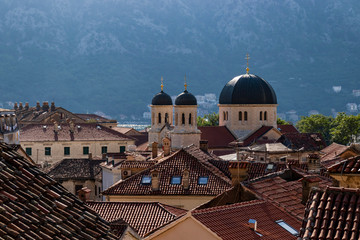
(109, 55)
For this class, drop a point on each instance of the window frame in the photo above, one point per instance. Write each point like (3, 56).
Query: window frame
(177, 178)
(287, 227)
(87, 151)
(146, 180)
(103, 149)
(28, 151)
(66, 151)
(47, 151)
(200, 182)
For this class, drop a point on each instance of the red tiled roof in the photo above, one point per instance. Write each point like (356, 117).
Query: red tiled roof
(217, 136)
(256, 135)
(76, 169)
(34, 206)
(333, 213)
(190, 158)
(143, 217)
(283, 193)
(348, 166)
(91, 116)
(331, 152)
(230, 222)
(82, 132)
(305, 141)
(287, 129)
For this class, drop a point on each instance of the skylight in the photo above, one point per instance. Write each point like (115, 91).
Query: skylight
(176, 180)
(287, 227)
(270, 166)
(203, 180)
(146, 180)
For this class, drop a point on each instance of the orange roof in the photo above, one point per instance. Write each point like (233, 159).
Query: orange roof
(217, 136)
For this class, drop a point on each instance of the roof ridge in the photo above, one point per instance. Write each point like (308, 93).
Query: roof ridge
(231, 206)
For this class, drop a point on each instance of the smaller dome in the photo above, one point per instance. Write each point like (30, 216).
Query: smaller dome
(185, 98)
(161, 99)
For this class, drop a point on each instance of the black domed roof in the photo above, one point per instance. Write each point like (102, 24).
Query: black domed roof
(248, 89)
(161, 99)
(185, 98)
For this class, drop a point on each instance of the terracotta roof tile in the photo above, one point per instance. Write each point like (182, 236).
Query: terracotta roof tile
(217, 136)
(350, 166)
(81, 132)
(287, 129)
(252, 138)
(333, 213)
(143, 217)
(231, 221)
(76, 169)
(34, 206)
(190, 158)
(305, 141)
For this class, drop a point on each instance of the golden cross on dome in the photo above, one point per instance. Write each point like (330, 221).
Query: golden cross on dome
(185, 85)
(162, 83)
(247, 63)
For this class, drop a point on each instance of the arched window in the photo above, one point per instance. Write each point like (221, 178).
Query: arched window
(176, 119)
(190, 119)
(265, 115)
(240, 116)
(245, 116)
(153, 119)
(166, 117)
(159, 120)
(227, 115)
(260, 116)
(183, 118)
(224, 114)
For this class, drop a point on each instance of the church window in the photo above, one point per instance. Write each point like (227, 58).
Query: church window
(166, 117)
(190, 119)
(240, 116)
(159, 118)
(260, 116)
(183, 118)
(227, 115)
(224, 116)
(265, 115)
(152, 119)
(176, 119)
(245, 116)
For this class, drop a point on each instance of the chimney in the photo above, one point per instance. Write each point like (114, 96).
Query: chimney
(166, 145)
(13, 121)
(72, 126)
(204, 145)
(186, 179)
(307, 183)
(84, 194)
(155, 180)
(27, 106)
(253, 224)
(37, 106)
(45, 106)
(238, 171)
(52, 106)
(56, 127)
(15, 106)
(20, 106)
(154, 148)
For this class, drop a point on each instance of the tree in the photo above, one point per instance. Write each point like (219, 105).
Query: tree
(345, 127)
(317, 123)
(211, 119)
(280, 121)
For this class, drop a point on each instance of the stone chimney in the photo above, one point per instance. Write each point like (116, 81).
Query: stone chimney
(239, 172)
(52, 106)
(15, 106)
(45, 106)
(72, 126)
(13, 120)
(27, 106)
(84, 194)
(155, 180)
(186, 179)
(56, 127)
(166, 142)
(204, 145)
(307, 183)
(154, 148)
(20, 106)
(37, 106)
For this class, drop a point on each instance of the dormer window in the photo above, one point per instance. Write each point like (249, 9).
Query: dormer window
(175, 180)
(203, 180)
(146, 180)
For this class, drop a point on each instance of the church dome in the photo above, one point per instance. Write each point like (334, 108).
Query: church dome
(185, 98)
(161, 99)
(247, 89)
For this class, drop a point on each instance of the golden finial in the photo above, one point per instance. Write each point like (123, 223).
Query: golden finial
(162, 83)
(185, 85)
(247, 63)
